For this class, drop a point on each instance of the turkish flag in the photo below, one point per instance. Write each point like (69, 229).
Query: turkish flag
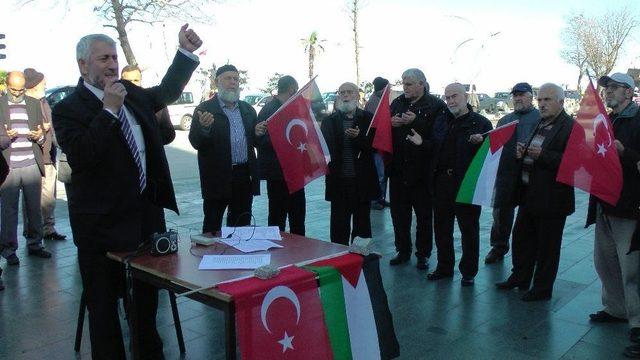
(382, 140)
(590, 161)
(297, 140)
(280, 318)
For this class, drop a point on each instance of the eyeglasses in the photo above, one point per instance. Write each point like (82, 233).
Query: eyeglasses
(346, 92)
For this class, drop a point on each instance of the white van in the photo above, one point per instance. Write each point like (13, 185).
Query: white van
(182, 110)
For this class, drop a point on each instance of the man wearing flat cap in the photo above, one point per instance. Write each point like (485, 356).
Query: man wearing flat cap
(617, 268)
(35, 85)
(504, 203)
(222, 131)
(21, 118)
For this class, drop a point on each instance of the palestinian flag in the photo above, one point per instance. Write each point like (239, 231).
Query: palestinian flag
(479, 183)
(355, 306)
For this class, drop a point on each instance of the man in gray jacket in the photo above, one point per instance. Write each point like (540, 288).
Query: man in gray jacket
(503, 211)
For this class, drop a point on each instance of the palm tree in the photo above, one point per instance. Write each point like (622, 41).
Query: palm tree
(312, 46)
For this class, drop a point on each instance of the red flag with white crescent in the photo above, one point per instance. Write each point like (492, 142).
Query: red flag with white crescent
(280, 318)
(297, 140)
(590, 161)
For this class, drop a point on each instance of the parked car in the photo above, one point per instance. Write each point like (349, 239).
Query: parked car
(54, 95)
(255, 99)
(329, 99)
(487, 103)
(261, 103)
(182, 110)
(503, 101)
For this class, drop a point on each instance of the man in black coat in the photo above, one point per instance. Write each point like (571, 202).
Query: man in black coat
(414, 110)
(544, 202)
(617, 267)
(453, 145)
(120, 182)
(352, 182)
(223, 132)
(281, 203)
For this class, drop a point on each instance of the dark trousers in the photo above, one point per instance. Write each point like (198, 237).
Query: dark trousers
(103, 281)
(446, 211)
(283, 205)
(405, 199)
(501, 228)
(536, 246)
(345, 208)
(239, 204)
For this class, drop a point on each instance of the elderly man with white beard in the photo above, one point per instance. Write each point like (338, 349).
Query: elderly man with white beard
(352, 181)
(222, 132)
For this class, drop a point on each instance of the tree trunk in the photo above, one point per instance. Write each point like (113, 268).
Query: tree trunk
(355, 40)
(122, 33)
(312, 51)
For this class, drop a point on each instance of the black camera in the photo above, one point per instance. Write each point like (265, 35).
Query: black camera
(164, 243)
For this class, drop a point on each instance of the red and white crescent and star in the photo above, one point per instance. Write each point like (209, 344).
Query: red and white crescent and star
(276, 293)
(302, 147)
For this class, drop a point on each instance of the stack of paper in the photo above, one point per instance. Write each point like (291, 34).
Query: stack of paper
(234, 262)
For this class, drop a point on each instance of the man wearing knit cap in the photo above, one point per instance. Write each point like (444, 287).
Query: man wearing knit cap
(35, 85)
(222, 131)
(372, 105)
(21, 117)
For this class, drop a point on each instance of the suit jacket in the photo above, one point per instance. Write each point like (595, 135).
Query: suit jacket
(544, 196)
(214, 149)
(411, 163)
(107, 211)
(366, 174)
(468, 124)
(34, 112)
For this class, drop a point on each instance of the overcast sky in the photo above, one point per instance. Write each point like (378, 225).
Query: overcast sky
(263, 37)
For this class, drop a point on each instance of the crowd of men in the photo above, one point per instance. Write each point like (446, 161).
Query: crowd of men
(112, 134)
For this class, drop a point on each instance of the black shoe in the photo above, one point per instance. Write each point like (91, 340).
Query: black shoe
(533, 295)
(634, 334)
(466, 281)
(604, 317)
(632, 351)
(422, 263)
(41, 253)
(13, 259)
(437, 275)
(510, 284)
(399, 259)
(494, 256)
(55, 236)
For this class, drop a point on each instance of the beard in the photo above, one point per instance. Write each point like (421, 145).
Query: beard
(231, 96)
(347, 106)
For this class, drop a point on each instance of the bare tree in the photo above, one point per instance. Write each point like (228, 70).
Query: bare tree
(122, 13)
(573, 53)
(354, 7)
(595, 43)
(313, 47)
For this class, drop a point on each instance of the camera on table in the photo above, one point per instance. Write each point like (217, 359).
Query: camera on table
(164, 243)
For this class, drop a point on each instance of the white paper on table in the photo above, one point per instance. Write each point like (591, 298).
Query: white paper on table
(252, 245)
(229, 262)
(253, 233)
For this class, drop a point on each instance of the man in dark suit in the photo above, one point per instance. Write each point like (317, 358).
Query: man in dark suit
(223, 132)
(120, 182)
(544, 202)
(21, 117)
(281, 203)
(352, 181)
(416, 109)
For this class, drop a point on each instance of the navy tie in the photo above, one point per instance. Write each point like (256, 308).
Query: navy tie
(131, 142)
